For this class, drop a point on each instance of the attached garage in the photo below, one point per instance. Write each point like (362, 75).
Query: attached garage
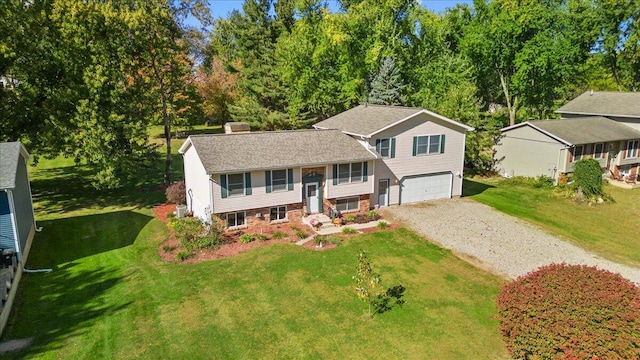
(426, 187)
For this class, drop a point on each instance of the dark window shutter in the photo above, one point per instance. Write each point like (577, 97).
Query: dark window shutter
(223, 185)
(289, 179)
(393, 147)
(364, 171)
(335, 174)
(320, 198)
(378, 145)
(442, 144)
(267, 180)
(415, 145)
(247, 183)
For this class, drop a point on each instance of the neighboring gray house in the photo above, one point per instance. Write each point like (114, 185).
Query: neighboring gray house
(365, 157)
(623, 107)
(551, 147)
(17, 222)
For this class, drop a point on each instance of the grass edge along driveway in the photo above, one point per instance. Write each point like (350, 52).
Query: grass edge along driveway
(610, 230)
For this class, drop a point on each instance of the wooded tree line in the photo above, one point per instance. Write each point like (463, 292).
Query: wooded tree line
(86, 79)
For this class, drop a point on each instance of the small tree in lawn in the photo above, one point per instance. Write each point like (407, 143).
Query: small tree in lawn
(369, 288)
(368, 285)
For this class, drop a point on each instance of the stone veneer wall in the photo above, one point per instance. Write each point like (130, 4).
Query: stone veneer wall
(294, 214)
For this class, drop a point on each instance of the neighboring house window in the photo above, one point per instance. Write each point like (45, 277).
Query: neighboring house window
(386, 147)
(632, 148)
(236, 219)
(278, 180)
(598, 151)
(348, 204)
(235, 184)
(278, 213)
(428, 144)
(349, 173)
(577, 152)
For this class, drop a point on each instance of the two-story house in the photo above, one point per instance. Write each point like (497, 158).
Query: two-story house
(365, 157)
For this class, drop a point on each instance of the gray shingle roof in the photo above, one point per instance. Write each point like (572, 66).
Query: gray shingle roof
(605, 103)
(9, 155)
(368, 119)
(224, 153)
(587, 130)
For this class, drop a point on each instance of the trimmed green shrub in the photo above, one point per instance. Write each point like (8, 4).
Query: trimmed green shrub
(261, 237)
(587, 175)
(177, 193)
(300, 233)
(348, 230)
(349, 218)
(382, 225)
(570, 312)
(183, 255)
(193, 235)
(246, 238)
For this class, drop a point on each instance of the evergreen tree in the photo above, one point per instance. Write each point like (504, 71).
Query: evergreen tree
(387, 85)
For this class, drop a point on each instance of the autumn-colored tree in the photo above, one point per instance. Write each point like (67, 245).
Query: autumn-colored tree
(218, 88)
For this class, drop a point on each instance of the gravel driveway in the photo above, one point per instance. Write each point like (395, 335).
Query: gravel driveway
(494, 241)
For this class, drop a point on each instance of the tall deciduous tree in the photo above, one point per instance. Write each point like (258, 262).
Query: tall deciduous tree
(529, 48)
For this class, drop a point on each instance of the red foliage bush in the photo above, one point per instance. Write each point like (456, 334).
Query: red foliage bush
(176, 193)
(570, 312)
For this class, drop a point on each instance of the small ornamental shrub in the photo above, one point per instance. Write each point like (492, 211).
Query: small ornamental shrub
(373, 215)
(278, 234)
(177, 193)
(183, 255)
(587, 175)
(543, 181)
(300, 233)
(348, 231)
(570, 312)
(193, 235)
(349, 218)
(261, 237)
(246, 238)
(382, 225)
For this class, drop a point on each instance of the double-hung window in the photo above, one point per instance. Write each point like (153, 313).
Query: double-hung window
(633, 147)
(235, 184)
(235, 219)
(578, 152)
(598, 151)
(279, 180)
(428, 144)
(278, 213)
(350, 173)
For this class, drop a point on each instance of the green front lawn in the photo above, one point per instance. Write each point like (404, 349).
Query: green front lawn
(110, 296)
(611, 230)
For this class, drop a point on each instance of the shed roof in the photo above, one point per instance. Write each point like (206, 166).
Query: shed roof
(604, 103)
(582, 130)
(367, 120)
(224, 153)
(9, 154)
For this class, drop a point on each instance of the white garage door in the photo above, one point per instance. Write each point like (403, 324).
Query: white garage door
(426, 187)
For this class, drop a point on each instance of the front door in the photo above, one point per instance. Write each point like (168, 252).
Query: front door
(311, 195)
(383, 193)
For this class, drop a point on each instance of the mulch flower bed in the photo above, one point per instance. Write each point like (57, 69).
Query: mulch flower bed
(168, 249)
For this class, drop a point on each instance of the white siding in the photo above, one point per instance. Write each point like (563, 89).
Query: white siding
(259, 197)
(405, 164)
(197, 184)
(524, 151)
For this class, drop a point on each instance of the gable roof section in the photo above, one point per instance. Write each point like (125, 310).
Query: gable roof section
(225, 153)
(604, 103)
(368, 120)
(582, 130)
(9, 154)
